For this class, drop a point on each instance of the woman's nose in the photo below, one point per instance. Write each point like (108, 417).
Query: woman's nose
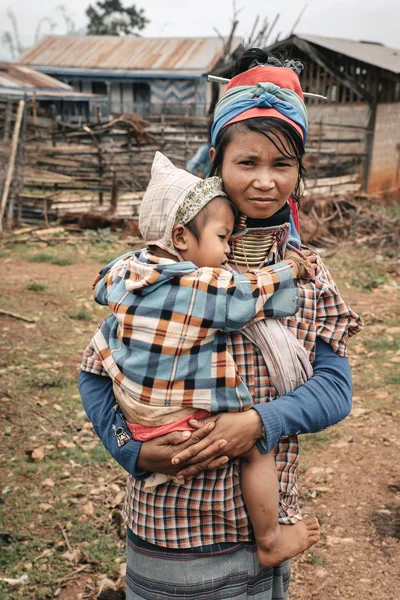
(264, 180)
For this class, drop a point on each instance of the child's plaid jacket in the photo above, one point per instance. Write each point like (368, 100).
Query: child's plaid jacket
(169, 348)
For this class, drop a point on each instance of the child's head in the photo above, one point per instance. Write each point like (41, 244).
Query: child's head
(190, 218)
(204, 239)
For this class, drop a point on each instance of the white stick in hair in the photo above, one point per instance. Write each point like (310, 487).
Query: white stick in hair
(216, 79)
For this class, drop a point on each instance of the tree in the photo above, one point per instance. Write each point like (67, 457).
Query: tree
(12, 39)
(111, 18)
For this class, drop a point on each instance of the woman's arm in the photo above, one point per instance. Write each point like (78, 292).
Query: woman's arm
(99, 403)
(322, 401)
(138, 458)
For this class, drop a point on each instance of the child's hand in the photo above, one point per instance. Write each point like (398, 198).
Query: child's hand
(302, 268)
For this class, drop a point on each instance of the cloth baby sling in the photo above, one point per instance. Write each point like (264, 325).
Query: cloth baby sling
(286, 360)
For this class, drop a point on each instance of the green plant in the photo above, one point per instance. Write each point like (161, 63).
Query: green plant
(80, 315)
(369, 279)
(43, 257)
(36, 287)
(315, 559)
(62, 261)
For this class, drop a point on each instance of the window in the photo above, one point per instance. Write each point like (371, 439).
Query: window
(99, 87)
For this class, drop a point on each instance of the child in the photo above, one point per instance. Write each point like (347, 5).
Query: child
(164, 345)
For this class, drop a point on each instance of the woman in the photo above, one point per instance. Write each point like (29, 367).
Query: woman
(195, 540)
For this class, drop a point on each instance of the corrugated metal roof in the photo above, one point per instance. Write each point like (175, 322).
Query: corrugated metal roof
(42, 94)
(21, 77)
(187, 55)
(368, 52)
(17, 81)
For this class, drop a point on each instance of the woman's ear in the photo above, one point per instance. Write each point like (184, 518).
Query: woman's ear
(212, 152)
(178, 237)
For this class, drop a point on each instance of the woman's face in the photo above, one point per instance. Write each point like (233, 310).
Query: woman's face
(257, 177)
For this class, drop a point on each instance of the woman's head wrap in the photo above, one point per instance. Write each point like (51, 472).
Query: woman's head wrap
(263, 91)
(173, 196)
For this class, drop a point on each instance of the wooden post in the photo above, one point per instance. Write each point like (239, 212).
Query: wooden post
(114, 194)
(11, 163)
(369, 144)
(6, 133)
(34, 113)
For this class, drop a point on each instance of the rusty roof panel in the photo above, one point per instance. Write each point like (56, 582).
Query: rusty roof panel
(129, 53)
(371, 53)
(20, 76)
(368, 52)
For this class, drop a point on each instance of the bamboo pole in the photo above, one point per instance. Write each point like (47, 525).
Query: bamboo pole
(11, 164)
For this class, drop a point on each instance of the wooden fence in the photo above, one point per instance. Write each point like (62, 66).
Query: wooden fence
(48, 167)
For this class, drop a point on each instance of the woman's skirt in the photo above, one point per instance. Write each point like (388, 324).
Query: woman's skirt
(220, 572)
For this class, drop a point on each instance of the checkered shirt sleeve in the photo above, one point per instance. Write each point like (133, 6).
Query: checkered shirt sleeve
(92, 362)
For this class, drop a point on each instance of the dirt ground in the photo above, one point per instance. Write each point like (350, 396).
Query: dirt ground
(61, 495)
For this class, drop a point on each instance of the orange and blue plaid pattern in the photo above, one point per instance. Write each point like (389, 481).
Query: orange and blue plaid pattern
(165, 341)
(210, 508)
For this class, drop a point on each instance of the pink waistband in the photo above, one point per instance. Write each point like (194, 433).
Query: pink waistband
(144, 433)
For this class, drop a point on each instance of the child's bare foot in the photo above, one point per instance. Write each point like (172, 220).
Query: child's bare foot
(288, 541)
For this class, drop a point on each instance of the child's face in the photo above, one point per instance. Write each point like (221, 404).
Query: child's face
(212, 250)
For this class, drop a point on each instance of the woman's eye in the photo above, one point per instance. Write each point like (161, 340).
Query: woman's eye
(246, 162)
(282, 164)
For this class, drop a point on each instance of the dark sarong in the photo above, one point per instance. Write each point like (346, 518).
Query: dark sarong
(220, 572)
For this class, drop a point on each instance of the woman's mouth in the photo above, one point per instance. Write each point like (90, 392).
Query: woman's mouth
(262, 201)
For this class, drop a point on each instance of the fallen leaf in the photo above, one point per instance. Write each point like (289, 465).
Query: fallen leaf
(72, 556)
(119, 498)
(38, 453)
(87, 426)
(47, 482)
(333, 540)
(395, 359)
(65, 444)
(57, 407)
(358, 412)
(105, 583)
(45, 507)
(88, 508)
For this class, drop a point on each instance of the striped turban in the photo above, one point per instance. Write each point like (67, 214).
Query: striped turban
(263, 91)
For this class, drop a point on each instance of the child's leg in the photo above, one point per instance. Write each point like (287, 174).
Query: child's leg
(260, 489)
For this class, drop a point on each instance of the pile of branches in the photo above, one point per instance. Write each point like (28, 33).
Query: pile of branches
(362, 218)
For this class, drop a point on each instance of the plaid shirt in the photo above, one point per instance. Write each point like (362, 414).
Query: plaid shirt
(210, 508)
(165, 341)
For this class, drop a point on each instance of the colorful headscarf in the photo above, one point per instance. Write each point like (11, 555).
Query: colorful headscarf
(173, 196)
(262, 91)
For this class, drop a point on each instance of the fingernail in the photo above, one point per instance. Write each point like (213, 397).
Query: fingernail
(211, 425)
(175, 461)
(186, 434)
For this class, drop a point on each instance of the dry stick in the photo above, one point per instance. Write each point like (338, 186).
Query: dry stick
(15, 316)
(70, 575)
(64, 533)
(10, 170)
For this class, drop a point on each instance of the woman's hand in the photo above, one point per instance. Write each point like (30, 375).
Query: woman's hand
(240, 430)
(206, 453)
(302, 268)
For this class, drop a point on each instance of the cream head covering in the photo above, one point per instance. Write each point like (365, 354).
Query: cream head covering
(173, 196)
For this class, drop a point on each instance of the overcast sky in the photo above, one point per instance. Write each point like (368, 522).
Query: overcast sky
(373, 20)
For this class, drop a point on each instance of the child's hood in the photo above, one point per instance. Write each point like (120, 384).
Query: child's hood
(138, 273)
